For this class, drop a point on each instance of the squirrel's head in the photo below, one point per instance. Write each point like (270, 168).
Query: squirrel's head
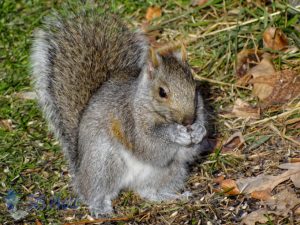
(169, 88)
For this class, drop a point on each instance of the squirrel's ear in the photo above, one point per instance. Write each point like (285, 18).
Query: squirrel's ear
(153, 62)
(153, 57)
(182, 54)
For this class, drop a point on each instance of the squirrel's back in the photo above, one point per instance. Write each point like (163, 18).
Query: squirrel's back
(71, 58)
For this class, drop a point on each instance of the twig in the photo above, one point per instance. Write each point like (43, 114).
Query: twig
(276, 116)
(292, 140)
(220, 82)
(282, 135)
(294, 160)
(191, 40)
(100, 220)
(272, 117)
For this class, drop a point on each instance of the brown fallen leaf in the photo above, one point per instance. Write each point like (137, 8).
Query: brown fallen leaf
(264, 68)
(285, 86)
(256, 216)
(6, 124)
(153, 12)
(261, 195)
(235, 141)
(264, 71)
(244, 110)
(295, 177)
(229, 187)
(290, 166)
(296, 180)
(284, 201)
(275, 39)
(246, 59)
(273, 87)
(219, 179)
(263, 182)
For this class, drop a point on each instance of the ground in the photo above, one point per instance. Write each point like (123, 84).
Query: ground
(34, 175)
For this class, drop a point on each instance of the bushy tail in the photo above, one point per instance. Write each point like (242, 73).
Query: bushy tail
(71, 58)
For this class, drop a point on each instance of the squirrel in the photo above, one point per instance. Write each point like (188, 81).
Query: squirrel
(126, 115)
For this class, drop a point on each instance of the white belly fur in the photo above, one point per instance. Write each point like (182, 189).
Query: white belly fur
(137, 171)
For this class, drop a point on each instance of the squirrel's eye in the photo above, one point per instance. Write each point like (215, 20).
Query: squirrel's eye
(162, 93)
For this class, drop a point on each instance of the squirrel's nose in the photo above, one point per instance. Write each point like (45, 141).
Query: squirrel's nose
(188, 120)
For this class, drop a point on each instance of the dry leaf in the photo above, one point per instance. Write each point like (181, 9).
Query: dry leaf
(219, 179)
(229, 186)
(275, 39)
(6, 124)
(285, 86)
(264, 70)
(261, 195)
(199, 2)
(246, 59)
(296, 180)
(290, 166)
(256, 216)
(263, 182)
(295, 177)
(273, 87)
(244, 110)
(284, 201)
(235, 141)
(153, 12)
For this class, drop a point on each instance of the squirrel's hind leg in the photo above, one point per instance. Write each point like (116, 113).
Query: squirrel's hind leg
(98, 180)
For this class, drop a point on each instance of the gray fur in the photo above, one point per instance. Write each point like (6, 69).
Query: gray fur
(105, 108)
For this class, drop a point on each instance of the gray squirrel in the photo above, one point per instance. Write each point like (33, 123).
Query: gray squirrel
(126, 116)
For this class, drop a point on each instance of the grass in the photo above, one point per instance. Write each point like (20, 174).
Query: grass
(32, 165)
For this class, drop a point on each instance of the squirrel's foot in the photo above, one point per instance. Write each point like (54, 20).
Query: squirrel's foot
(198, 133)
(182, 136)
(104, 210)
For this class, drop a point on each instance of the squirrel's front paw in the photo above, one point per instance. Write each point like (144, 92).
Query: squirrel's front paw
(198, 133)
(182, 136)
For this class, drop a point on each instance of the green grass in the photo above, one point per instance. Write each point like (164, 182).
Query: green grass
(30, 158)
